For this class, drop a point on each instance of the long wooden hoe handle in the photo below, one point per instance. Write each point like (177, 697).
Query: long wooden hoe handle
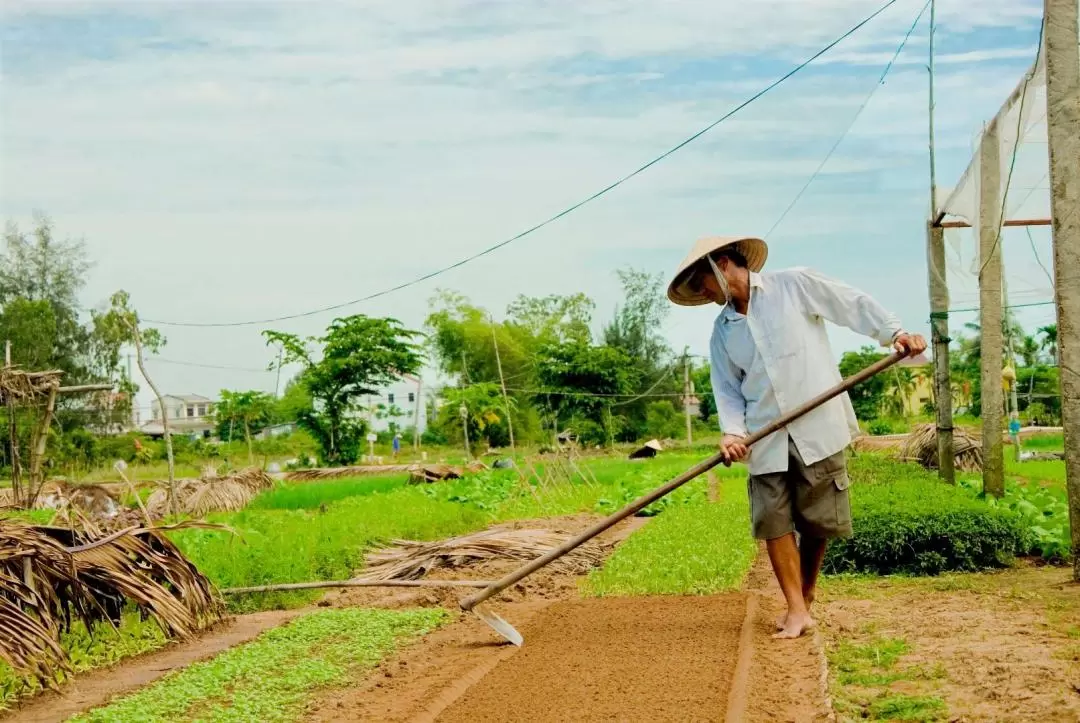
(645, 500)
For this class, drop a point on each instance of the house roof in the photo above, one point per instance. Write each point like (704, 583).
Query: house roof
(189, 397)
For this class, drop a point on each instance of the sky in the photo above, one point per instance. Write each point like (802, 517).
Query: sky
(235, 161)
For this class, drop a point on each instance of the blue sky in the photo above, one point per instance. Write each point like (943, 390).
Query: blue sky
(237, 160)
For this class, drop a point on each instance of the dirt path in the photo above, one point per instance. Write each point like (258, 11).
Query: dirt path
(981, 647)
(100, 686)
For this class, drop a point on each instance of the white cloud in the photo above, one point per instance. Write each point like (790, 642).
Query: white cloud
(245, 160)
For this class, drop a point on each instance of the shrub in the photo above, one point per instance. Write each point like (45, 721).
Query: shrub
(923, 527)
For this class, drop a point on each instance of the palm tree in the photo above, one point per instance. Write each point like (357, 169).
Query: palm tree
(901, 385)
(1049, 341)
(1029, 350)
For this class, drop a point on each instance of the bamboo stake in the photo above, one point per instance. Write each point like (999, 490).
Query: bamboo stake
(355, 583)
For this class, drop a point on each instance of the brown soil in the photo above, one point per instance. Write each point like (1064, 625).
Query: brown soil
(786, 681)
(647, 659)
(991, 647)
(100, 686)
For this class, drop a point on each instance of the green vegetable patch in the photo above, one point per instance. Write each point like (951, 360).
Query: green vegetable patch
(274, 676)
(694, 547)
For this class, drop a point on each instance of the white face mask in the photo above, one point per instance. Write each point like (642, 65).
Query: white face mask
(720, 280)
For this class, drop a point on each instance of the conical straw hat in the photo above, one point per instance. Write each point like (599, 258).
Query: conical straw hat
(753, 249)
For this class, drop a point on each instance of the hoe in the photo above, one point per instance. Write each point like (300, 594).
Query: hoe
(507, 630)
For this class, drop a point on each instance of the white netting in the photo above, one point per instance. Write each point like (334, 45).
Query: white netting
(1023, 183)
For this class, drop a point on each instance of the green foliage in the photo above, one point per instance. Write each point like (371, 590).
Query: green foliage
(664, 421)
(629, 488)
(486, 490)
(905, 521)
(695, 547)
(102, 646)
(571, 374)
(242, 414)
(868, 397)
(486, 414)
(312, 495)
(1044, 515)
(358, 355)
(271, 678)
(702, 379)
(296, 545)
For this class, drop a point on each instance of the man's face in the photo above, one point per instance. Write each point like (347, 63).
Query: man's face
(706, 281)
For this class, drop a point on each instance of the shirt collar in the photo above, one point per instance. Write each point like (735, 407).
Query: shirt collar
(728, 312)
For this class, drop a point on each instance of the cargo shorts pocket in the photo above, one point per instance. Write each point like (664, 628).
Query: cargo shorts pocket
(833, 471)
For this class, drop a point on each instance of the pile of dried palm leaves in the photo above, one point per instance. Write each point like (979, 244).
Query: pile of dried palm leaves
(20, 386)
(921, 446)
(51, 576)
(409, 560)
(417, 472)
(210, 493)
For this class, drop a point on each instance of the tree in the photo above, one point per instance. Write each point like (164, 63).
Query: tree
(636, 330)
(579, 381)
(1049, 339)
(899, 387)
(357, 356)
(1029, 350)
(486, 413)
(553, 319)
(868, 397)
(120, 325)
(702, 378)
(250, 411)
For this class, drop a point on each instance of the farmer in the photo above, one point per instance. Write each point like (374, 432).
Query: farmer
(769, 353)
(397, 445)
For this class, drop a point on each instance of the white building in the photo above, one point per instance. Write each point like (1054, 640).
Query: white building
(190, 414)
(400, 403)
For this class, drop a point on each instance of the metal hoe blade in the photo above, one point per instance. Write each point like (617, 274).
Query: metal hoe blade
(499, 625)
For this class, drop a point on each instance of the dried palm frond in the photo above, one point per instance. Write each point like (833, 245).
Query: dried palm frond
(323, 473)
(17, 385)
(200, 497)
(52, 575)
(409, 560)
(921, 446)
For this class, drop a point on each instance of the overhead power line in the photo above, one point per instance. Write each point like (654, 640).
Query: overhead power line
(851, 124)
(565, 212)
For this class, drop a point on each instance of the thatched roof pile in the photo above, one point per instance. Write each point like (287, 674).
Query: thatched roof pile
(409, 560)
(50, 576)
(921, 446)
(23, 386)
(210, 493)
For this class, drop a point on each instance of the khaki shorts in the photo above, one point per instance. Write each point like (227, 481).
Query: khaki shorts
(810, 500)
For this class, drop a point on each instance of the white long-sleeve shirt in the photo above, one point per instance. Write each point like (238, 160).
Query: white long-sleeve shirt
(777, 357)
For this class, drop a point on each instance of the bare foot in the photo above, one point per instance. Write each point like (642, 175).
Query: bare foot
(795, 625)
(781, 620)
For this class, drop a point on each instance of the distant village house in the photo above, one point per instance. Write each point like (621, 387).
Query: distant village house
(189, 414)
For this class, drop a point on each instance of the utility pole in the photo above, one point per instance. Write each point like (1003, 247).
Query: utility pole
(686, 396)
(939, 302)
(416, 415)
(1063, 135)
(990, 310)
(502, 382)
(13, 436)
(464, 411)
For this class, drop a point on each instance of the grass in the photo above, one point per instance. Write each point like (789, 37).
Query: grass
(102, 646)
(303, 545)
(696, 548)
(311, 495)
(863, 674)
(273, 677)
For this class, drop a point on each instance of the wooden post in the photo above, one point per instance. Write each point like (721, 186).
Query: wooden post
(37, 452)
(1063, 131)
(939, 298)
(686, 397)
(939, 337)
(502, 382)
(416, 415)
(990, 310)
(13, 437)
